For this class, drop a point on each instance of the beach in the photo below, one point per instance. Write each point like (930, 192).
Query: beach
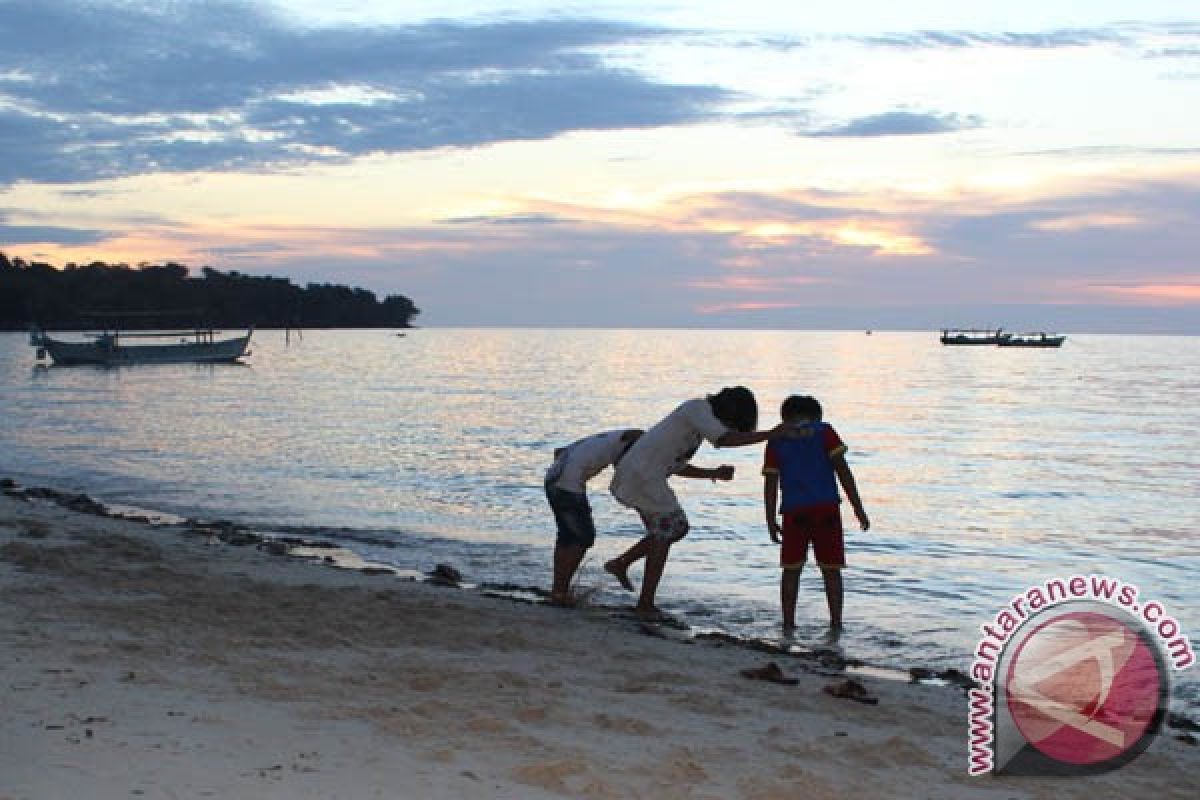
(161, 661)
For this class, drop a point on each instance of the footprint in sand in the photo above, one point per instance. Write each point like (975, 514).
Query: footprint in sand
(622, 724)
(568, 776)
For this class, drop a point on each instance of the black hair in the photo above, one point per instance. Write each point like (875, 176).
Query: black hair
(629, 437)
(801, 405)
(736, 407)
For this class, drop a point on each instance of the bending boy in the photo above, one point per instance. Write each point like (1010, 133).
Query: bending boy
(725, 419)
(566, 491)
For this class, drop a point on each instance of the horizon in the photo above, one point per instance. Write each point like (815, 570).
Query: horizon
(675, 165)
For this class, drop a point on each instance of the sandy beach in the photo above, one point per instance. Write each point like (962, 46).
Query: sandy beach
(145, 661)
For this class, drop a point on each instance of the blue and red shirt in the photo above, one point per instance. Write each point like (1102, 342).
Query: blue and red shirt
(805, 465)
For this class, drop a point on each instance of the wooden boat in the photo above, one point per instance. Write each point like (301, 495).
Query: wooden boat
(973, 335)
(1037, 339)
(112, 348)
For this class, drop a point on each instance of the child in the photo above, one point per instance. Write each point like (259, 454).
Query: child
(725, 419)
(805, 465)
(566, 480)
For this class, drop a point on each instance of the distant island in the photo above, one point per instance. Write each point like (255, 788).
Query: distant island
(61, 299)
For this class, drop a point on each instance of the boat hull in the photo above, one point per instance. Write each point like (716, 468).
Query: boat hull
(969, 339)
(1047, 342)
(77, 353)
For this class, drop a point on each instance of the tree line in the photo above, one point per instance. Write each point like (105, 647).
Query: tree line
(79, 297)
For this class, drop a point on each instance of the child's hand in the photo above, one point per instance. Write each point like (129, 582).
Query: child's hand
(863, 522)
(773, 529)
(723, 473)
(786, 430)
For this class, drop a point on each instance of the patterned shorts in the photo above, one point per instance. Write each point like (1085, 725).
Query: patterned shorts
(670, 526)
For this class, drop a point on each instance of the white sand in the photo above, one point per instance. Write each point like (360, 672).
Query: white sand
(139, 662)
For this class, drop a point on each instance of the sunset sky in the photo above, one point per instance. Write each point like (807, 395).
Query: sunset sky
(689, 163)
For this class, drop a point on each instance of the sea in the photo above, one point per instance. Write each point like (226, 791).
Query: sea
(984, 470)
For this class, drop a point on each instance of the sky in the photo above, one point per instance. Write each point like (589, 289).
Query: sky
(654, 164)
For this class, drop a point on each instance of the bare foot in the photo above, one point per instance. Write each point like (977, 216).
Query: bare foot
(651, 614)
(562, 600)
(620, 573)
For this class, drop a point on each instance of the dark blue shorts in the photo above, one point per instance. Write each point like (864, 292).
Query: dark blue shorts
(573, 516)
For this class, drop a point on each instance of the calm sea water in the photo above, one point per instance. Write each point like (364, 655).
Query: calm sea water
(984, 470)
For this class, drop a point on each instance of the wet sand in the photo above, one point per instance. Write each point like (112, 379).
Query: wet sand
(144, 661)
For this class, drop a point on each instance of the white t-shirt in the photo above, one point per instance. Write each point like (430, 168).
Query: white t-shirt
(640, 480)
(585, 459)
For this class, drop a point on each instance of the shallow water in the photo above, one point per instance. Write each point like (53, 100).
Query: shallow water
(984, 470)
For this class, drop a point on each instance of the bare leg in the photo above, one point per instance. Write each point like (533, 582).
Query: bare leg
(656, 562)
(619, 566)
(833, 595)
(789, 588)
(567, 559)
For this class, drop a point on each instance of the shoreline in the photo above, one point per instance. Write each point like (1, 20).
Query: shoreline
(150, 661)
(820, 659)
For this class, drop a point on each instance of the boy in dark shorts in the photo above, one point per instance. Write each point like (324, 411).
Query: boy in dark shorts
(566, 491)
(807, 466)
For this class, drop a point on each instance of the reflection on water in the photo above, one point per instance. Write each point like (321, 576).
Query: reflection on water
(983, 469)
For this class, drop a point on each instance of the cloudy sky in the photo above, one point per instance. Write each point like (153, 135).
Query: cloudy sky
(684, 163)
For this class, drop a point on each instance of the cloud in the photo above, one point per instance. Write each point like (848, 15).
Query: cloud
(807, 205)
(930, 39)
(98, 90)
(531, 218)
(722, 308)
(1174, 52)
(1166, 293)
(753, 283)
(1078, 222)
(1072, 254)
(36, 234)
(901, 123)
(1038, 40)
(17, 234)
(1104, 151)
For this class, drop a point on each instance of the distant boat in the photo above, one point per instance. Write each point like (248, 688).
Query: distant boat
(1036, 339)
(973, 335)
(109, 348)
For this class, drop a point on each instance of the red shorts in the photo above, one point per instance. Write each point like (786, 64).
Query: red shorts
(821, 525)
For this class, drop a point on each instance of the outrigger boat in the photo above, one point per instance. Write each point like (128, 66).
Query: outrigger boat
(111, 347)
(974, 335)
(1038, 339)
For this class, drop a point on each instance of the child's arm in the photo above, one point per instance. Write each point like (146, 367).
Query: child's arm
(740, 439)
(770, 500)
(846, 478)
(721, 473)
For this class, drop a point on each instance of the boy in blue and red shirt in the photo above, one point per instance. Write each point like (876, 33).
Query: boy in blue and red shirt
(807, 466)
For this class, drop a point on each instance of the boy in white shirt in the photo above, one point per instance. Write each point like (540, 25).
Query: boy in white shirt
(725, 419)
(566, 490)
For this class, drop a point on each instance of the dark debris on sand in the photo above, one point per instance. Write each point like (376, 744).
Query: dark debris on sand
(1181, 722)
(851, 689)
(952, 676)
